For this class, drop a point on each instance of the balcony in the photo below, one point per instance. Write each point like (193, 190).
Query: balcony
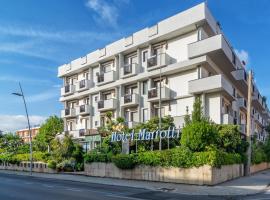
(109, 104)
(68, 112)
(129, 70)
(154, 94)
(242, 104)
(227, 119)
(157, 61)
(240, 75)
(220, 51)
(130, 100)
(105, 78)
(258, 118)
(87, 132)
(83, 85)
(83, 110)
(67, 90)
(212, 84)
(257, 100)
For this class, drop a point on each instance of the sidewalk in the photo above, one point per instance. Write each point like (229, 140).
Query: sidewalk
(241, 186)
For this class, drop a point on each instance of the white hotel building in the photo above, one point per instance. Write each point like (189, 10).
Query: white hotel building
(195, 59)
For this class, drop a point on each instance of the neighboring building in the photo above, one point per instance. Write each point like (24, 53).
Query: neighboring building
(24, 133)
(195, 59)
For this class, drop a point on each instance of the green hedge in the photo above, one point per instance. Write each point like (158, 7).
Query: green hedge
(178, 157)
(17, 158)
(124, 161)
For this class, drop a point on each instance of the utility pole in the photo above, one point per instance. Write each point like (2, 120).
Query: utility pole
(249, 104)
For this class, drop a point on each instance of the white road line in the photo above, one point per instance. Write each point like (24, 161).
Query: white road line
(123, 197)
(48, 186)
(74, 189)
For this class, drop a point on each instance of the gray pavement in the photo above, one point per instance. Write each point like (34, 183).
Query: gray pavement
(253, 187)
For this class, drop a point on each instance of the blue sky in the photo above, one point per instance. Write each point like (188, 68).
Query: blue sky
(36, 36)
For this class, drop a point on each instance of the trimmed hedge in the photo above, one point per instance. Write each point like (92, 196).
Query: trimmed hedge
(178, 157)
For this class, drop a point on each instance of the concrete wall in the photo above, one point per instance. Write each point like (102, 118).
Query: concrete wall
(204, 175)
(25, 166)
(259, 167)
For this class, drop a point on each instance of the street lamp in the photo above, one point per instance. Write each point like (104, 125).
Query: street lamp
(29, 129)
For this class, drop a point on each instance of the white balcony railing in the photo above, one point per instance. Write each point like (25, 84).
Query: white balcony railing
(130, 100)
(129, 70)
(157, 61)
(104, 78)
(83, 85)
(154, 93)
(68, 112)
(68, 90)
(83, 110)
(109, 104)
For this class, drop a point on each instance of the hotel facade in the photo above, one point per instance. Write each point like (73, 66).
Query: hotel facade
(194, 59)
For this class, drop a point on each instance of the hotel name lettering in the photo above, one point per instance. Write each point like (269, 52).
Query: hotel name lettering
(144, 135)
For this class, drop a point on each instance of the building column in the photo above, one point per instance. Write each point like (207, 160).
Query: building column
(120, 64)
(139, 57)
(203, 104)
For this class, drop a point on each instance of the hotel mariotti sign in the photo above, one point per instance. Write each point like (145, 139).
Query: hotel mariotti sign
(144, 135)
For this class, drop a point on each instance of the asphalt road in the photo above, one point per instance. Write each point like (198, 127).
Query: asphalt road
(17, 187)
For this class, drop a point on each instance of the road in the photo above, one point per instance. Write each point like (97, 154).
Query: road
(17, 187)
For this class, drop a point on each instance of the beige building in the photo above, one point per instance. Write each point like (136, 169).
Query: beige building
(194, 58)
(24, 133)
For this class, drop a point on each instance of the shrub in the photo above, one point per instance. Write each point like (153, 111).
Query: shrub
(198, 135)
(258, 155)
(95, 156)
(52, 164)
(66, 166)
(124, 161)
(229, 138)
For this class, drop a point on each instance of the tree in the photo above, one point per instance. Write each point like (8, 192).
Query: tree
(197, 110)
(47, 132)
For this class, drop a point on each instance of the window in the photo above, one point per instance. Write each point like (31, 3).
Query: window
(145, 115)
(96, 98)
(145, 56)
(144, 87)
(96, 123)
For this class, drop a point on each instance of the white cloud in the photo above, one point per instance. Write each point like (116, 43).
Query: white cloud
(106, 12)
(11, 123)
(16, 79)
(43, 96)
(243, 55)
(42, 33)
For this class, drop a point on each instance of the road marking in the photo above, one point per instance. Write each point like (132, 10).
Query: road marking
(74, 189)
(48, 186)
(123, 197)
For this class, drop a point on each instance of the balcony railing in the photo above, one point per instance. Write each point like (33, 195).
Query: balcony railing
(82, 84)
(100, 78)
(101, 104)
(128, 98)
(127, 69)
(153, 93)
(157, 61)
(67, 90)
(68, 112)
(108, 104)
(106, 77)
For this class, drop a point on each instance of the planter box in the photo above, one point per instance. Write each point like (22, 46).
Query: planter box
(25, 166)
(205, 175)
(259, 167)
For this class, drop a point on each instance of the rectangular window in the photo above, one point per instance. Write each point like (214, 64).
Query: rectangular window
(144, 87)
(145, 115)
(145, 56)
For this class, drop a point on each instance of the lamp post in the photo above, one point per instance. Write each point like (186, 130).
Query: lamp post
(29, 129)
